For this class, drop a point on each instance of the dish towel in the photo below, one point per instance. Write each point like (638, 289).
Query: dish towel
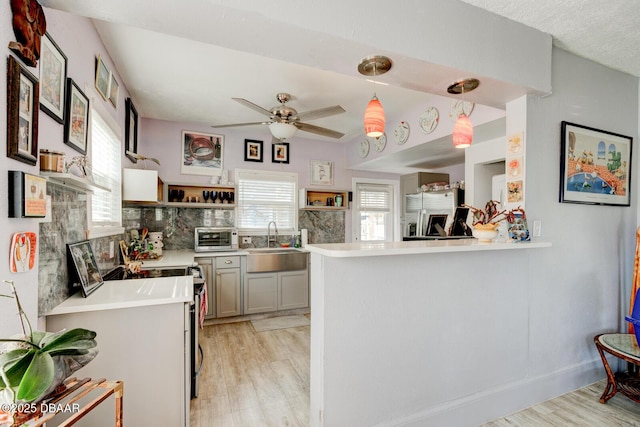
(204, 306)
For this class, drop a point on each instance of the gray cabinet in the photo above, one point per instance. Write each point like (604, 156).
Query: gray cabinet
(228, 286)
(283, 290)
(223, 276)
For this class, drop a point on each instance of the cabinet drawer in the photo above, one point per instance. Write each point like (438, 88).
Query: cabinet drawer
(228, 261)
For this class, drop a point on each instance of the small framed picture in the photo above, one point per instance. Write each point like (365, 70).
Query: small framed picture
(131, 130)
(252, 150)
(27, 195)
(103, 78)
(22, 113)
(83, 268)
(76, 129)
(280, 152)
(53, 78)
(436, 224)
(321, 172)
(114, 87)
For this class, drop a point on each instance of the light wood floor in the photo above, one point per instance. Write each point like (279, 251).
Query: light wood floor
(262, 379)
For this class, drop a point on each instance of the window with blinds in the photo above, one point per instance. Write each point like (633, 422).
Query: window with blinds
(262, 197)
(374, 203)
(106, 207)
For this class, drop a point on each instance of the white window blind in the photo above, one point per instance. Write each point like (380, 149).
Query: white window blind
(106, 207)
(266, 196)
(374, 205)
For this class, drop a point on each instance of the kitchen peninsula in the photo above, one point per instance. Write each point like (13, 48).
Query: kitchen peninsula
(406, 332)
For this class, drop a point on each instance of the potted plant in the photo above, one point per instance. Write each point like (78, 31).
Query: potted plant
(34, 363)
(486, 221)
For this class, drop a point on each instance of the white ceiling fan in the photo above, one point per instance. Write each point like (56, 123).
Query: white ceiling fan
(284, 120)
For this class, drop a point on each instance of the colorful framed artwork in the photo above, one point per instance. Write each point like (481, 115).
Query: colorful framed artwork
(22, 113)
(83, 268)
(321, 172)
(202, 153)
(131, 130)
(103, 78)
(76, 129)
(53, 79)
(280, 152)
(595, 166)
(27, 195)
(252, 150)
(114, 88)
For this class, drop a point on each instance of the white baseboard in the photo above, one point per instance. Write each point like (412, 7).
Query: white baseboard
(498, 402)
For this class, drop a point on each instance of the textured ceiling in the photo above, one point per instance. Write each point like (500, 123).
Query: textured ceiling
(607, 32)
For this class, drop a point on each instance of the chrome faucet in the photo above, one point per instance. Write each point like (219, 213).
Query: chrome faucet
(275, 237)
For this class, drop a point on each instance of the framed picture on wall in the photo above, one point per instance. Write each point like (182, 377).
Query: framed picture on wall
(76, 129)
(130, 130)
(202, 153)
(252, 150)
(595, 166)
(22, 113)
(114, 88)
(103, 78)
(321, 172)
(280, 152)
(53, 78)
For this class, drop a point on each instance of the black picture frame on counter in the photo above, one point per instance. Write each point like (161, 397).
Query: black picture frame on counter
(83, 268)
(23, 99)
(253, 150)
(131, 130)
(435, 226)
(595, 166)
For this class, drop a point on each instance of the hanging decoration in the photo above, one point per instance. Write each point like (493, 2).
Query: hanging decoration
(29, 24)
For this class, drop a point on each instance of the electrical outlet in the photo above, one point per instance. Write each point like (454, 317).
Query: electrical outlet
(537, 228)
(246, 240)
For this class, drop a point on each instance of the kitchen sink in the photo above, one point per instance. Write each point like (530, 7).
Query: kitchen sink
(261, 260)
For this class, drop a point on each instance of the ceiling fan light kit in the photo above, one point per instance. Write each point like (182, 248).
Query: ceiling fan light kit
(282, 131)
(463, 129)
(374, 119)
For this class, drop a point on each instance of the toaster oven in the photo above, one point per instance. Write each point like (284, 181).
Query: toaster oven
(208, 239)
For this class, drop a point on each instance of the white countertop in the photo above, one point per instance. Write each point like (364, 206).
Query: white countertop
(117, 294)
(349, 250)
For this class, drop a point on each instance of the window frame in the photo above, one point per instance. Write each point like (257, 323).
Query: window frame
(396, 235)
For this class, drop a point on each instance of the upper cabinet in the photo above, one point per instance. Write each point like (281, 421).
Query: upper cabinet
(323, 199)
(141, 186)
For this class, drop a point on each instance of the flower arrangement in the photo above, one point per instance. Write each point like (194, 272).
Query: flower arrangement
(33, 364)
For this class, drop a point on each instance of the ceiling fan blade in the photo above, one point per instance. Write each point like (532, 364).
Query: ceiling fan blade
(253, 106)
(320, 113)
(240, 124)
(306, 127)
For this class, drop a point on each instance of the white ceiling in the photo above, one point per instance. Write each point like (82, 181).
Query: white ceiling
(180, 67)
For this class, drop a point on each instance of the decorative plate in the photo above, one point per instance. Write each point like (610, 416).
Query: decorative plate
(401, 133)
(458, 107)
(364, 148)
(429, 120)
(380, 142)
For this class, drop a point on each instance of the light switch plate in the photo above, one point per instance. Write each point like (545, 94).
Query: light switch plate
(537, 228)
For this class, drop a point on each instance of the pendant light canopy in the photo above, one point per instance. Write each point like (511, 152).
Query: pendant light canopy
(463, 129)
(374, 119)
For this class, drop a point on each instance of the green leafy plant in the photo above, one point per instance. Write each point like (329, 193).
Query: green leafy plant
(34, 363)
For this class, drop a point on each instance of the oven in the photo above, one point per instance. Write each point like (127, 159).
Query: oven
(208, 239)
(196, 354)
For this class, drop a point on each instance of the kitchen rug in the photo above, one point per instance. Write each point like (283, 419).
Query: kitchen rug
(283, 322)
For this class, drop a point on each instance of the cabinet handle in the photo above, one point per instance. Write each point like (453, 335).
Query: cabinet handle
(228, 261)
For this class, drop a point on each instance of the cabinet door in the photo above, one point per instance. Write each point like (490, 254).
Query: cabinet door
(260, 292)
(207, 270)
(228, 292)
(293, 289)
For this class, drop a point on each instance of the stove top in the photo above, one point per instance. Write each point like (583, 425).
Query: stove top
(119, 273)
